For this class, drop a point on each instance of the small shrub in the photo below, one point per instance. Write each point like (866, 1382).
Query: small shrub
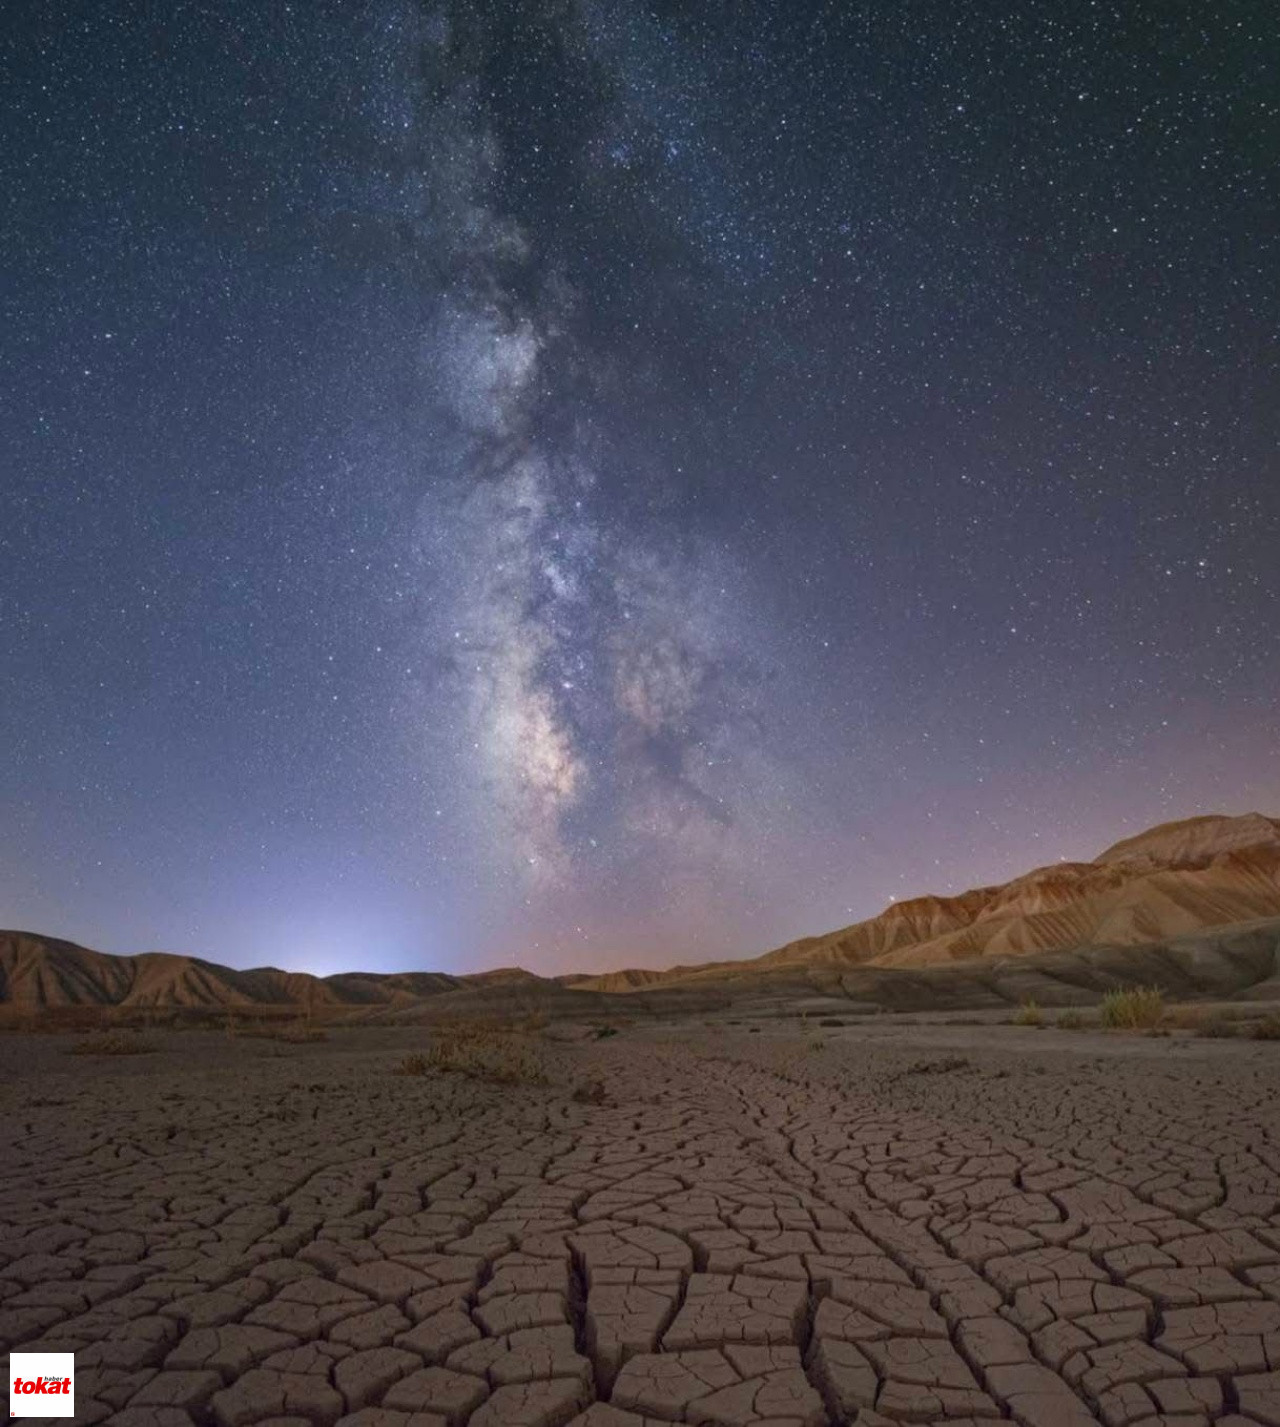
(1029, 1014)
(1133, 1009)
(604, 1033)
(113, 1043)
(1071, 1021)
(1268, 1029)
(479, 1053)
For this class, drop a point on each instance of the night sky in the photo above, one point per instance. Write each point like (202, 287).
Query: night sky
(588, 484)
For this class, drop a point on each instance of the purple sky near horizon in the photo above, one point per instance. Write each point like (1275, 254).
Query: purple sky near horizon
(591, 485)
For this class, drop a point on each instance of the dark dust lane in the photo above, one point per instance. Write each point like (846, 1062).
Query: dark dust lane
(748, 1230)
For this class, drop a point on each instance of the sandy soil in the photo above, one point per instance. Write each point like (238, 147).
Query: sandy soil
(907, 1223)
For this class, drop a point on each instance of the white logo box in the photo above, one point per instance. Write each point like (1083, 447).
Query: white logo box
(42, 1370)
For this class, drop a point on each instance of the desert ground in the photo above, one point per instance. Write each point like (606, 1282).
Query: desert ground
(710, 1223)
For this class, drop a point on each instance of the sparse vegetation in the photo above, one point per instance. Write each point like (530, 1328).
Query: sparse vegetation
(113, 1043)
(604, 1033)
(1267, 1029)
(1218, 1029)
(1029, 1014)
(1136, 1008)
(1193, 1017)
(490, 1053)
(1071, 1021)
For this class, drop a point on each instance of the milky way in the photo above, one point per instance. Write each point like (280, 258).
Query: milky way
(599, 660)
(588, 484)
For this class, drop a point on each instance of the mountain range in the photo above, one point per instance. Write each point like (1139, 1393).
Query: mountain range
(1196, 901)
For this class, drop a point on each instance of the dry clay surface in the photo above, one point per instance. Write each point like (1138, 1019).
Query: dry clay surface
(748, 1230)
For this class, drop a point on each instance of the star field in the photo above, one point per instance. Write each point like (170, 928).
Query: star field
(591, 485)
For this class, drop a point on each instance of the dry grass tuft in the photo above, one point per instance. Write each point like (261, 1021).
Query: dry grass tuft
(490, 1053)
(1136, 1008)
(113, 1043)
(1029, 1014)
(1071, 1021)
(1191, 1016)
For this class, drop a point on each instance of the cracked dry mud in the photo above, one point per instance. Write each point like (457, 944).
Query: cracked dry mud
(748, 1231)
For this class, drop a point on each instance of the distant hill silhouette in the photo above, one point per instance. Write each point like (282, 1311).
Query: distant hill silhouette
(1198, 898)
(1175, 879)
